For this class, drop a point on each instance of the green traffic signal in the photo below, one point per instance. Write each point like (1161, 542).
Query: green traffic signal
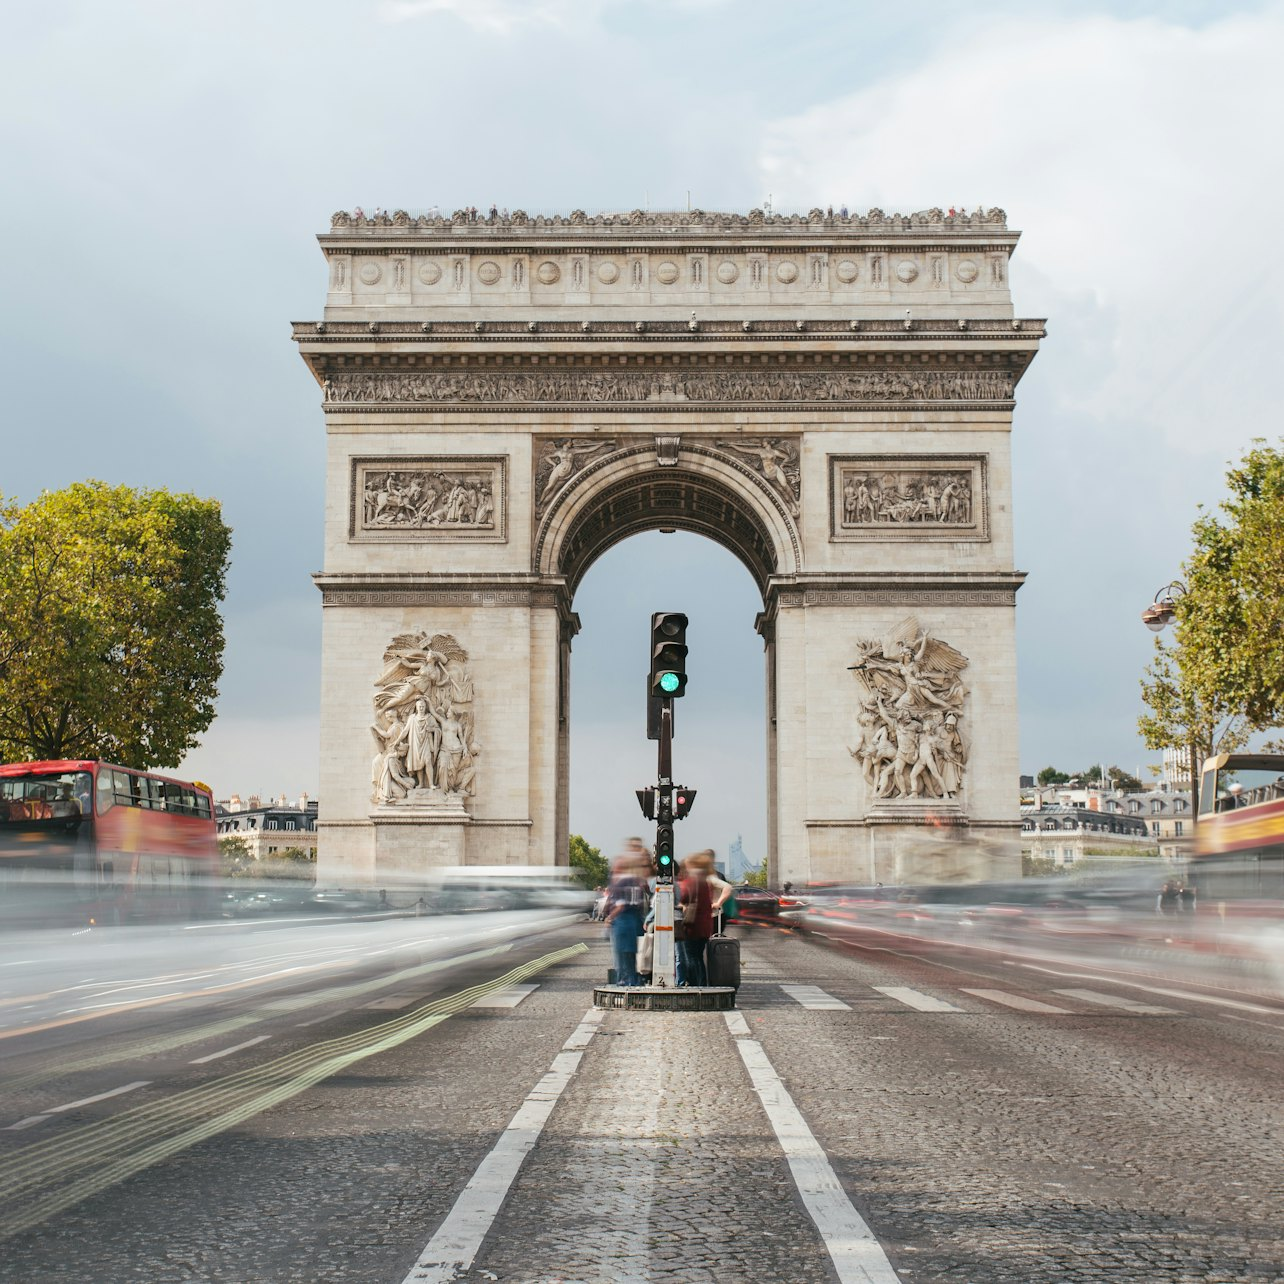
(669, 683)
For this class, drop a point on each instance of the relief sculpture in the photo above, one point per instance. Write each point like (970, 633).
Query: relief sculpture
(559, 461)
(342, 387)
(898, 498)
(911, 714)
(425, 751)
(776, 459)
(427, 496)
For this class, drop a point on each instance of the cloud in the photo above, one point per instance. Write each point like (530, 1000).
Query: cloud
(501, 17)
(1135, 154)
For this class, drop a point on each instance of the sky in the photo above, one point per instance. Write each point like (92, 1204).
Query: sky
(169, 165)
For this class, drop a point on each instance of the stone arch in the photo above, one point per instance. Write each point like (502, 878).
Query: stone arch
(703, 491)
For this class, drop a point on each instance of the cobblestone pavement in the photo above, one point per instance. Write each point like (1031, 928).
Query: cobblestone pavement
(980, 1144)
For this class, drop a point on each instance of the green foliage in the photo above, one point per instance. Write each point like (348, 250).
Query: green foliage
(1224, 678)
(1051, 776)
(1233, 615)
(588, 862)
(1114, 778)
(1042, 867)
(111, 642)
(758, 877)
(234, 857)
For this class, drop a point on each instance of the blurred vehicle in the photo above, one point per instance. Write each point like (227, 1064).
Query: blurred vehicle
(344, 901)
(462, 888)
(85, 842)
(756, 902)
(1239, 837)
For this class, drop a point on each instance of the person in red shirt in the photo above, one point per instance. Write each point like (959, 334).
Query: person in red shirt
(693, 890)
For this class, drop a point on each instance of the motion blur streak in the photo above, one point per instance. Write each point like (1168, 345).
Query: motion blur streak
(121, 1147)
(1116, 927)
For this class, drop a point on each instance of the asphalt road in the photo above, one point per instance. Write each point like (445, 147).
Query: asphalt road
(396, 1105)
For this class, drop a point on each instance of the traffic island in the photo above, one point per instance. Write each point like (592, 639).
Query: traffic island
(665, 998)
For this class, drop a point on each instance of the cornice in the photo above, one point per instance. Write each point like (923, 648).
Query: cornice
(647, 332)
(668, 226)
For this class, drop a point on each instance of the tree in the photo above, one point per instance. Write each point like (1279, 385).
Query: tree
(234, 856)
(1114, 778)
(1230, 623)
(111, 641)
(758, 877)
(588, 862)
(1224, 677)
(1051, 776)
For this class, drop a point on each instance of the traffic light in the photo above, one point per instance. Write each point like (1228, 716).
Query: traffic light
(683, 801)
(668, 654)
(646, 800)
(664, 850)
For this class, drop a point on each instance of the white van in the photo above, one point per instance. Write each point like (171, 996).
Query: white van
(510, 887)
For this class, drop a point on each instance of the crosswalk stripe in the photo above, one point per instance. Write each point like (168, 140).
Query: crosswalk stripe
(1114, 1001)
(815, 999)
(913, 999)
(509, 997)
(1018, 1001)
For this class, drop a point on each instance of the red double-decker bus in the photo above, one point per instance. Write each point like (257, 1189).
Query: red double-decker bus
(1239, 841)
(91, 843)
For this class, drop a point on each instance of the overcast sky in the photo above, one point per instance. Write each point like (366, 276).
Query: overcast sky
(168, 166)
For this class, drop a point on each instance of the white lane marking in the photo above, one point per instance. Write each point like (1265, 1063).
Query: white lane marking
(392, 1001)
(318, 1020)
(26, 1123)
(227, 1052)
(1157, 989)
(1015, 1001)
(815, 999)
(857, 1255)
(913, 999)
(102, 1096)
(452, 1249)
(508, 997)
(1116, 1001)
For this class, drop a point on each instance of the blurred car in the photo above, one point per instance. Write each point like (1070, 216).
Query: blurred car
(339, 900)
(756, 902)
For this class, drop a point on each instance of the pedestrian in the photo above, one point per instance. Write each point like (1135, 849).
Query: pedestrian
(1186, 898)
(1169, 899)
(722, 899)
(842, 213)
(697, 919)
(358, 212)
(494, 211)
(625, 894)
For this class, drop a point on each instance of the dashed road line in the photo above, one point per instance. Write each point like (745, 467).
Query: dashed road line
(227, 1052)
(452, 1249)
(102, 1096)
(916, 1000)
(815, 999)
(509, 997)
(1117, 1001)
(392, 1002)
(29, 1122)
(857, 1255)
(1018, 1001)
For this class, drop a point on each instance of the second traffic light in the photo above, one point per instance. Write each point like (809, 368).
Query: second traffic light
(668, 654)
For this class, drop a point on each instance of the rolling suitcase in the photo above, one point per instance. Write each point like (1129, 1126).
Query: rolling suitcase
(722, 960)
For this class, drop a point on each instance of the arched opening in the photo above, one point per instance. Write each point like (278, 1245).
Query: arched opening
(720, 746)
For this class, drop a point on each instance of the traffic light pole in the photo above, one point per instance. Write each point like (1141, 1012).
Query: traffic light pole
(664, 954)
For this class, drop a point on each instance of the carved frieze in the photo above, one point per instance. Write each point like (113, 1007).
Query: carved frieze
(908, 497)
(909, 727)
(558, 460)
(425, 748)
(359, 387)
(446, 497)
(775, 459)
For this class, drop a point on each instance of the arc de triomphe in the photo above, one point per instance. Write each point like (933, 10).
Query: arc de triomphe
(830, 398)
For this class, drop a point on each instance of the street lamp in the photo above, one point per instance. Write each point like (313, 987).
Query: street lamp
(1157, 617)
(1163, 610)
